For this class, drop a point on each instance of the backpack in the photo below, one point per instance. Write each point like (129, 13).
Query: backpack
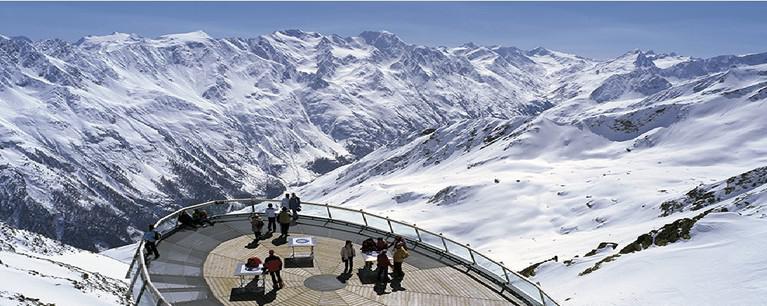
(273, 265)
(253, 262)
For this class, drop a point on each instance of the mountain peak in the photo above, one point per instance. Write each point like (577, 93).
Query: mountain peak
(642, 61)
(470, 45)
(298, 33)
(196, 36)
(372, 36)
(539, 51)
(114, 38)
(21, 38)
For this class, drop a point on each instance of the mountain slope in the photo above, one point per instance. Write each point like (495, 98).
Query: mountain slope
(123, 129)
(39, 271)
(585, 172)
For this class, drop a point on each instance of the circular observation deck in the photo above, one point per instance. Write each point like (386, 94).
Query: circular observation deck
(196, 267)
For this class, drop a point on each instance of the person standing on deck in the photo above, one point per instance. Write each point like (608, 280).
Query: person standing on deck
(285, 201)
(347, 256)
(150, 241)
(273, 264)
(256, 224)
(271, 216)
(398, 240)
(295, 206)
(284, 219)
(399, 257)
(383, 266)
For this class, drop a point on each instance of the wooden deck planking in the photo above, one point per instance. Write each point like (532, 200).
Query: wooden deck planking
(353, 299)
(436, 286)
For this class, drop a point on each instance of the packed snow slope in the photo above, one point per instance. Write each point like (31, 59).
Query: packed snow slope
(36, 270)
(669, 164)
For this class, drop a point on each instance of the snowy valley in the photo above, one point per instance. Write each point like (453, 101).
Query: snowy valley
(642, 177)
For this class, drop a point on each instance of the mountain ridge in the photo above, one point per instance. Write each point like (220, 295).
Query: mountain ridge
(123, 129)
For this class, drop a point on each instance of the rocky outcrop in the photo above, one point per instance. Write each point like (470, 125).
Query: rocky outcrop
(530, 270)
(706, 195)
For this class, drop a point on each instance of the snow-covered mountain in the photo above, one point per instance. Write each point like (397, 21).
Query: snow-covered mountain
(654, 173)
(36, 270)
(526, 154)
(101, 136)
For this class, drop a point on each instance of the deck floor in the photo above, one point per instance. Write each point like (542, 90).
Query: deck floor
(197, 268)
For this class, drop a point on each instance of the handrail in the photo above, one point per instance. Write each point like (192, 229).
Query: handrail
(534, 292)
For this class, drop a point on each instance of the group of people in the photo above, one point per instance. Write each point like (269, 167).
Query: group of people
(273, 263)
(290, 205)
(199, 217)
(287, 215)
(379, 248)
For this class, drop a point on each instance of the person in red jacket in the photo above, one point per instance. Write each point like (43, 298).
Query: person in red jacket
(383, 266)
(273, 264)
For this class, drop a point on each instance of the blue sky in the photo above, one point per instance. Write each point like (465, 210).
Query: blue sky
(594, 29)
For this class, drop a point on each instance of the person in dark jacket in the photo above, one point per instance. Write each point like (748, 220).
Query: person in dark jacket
(273, 265)
(150, 241)
(383, 266)
(381, 245)
(200, 217)
(295, 206)
(368, 245)
(284, 219)
(185, 220)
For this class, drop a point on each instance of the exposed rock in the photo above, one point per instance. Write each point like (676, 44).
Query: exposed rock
(530, 270)
(601, 246)
(705, 195)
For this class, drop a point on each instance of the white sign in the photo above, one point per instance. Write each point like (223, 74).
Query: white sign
(302, 241)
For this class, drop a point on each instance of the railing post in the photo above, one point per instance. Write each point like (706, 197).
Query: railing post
(391, 229)
(471, 254)
(543, 301)
(135, 258)
(444, 244)
(141, 293)
(328, 208)
(132, 282)
(138, 269)
(505, 272)
(363, 218)
(417, 233)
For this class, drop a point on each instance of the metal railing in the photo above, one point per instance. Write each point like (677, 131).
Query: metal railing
(144, 292)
